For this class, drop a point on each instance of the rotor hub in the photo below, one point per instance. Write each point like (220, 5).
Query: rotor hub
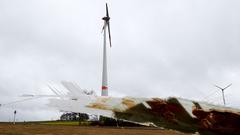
(106, 18)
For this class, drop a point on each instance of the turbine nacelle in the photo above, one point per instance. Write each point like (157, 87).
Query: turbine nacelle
(106, 18)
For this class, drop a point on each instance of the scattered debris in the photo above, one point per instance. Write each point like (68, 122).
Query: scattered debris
(222, 122)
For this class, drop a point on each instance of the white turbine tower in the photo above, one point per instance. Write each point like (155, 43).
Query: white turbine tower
(104, 73)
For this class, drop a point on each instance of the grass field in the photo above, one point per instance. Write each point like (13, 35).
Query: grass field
(70, 128)
(72, 123)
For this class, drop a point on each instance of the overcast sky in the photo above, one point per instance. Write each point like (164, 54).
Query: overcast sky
(160, 48)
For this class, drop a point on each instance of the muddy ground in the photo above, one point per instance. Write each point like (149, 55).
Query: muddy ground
(38, 129)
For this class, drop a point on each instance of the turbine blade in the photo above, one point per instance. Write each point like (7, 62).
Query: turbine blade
(109, 33)
(227, 86)
(103, 27)
(107, 10)
(218, 87)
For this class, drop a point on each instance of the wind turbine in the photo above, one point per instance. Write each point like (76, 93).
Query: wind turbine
(223, 92)
(14, 117)
(104, 72)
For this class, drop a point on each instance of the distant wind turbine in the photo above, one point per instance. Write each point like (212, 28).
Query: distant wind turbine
(104, 73)
(223, 92)
(14, 117)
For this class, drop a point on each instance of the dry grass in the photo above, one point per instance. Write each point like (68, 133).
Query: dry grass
(38, 129)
